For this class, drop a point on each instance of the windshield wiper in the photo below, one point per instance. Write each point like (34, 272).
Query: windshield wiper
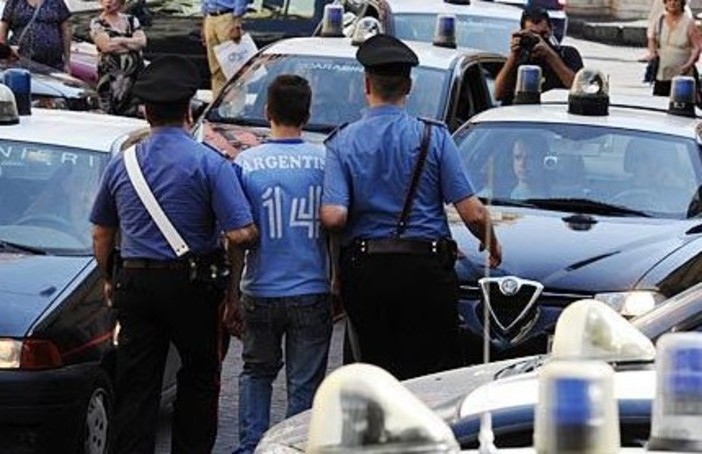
(16, 247)
(510, 202)
(258, 123)
(585, 206)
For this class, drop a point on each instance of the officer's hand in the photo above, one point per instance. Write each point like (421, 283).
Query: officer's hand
(233, 321)
(495, 253)
(107, 291)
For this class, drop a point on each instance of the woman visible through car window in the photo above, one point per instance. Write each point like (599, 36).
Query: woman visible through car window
(120, 41)
(39, 29)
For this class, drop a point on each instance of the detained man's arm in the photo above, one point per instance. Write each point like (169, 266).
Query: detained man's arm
(103, 248)
(477, 218)
(233, 321)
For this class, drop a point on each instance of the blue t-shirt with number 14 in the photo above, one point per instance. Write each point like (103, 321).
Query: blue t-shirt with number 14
(283, 182)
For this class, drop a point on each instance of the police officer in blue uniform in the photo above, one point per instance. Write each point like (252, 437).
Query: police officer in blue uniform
(159, 297)
(398, 282)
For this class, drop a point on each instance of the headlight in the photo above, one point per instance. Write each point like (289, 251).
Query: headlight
(631, 304)
(49, 102)
(10, 352)
(29, 354)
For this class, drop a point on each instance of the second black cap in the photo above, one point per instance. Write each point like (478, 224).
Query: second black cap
(386, 55)
(167, 79)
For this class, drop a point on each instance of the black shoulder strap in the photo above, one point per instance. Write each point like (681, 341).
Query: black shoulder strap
(409, 198)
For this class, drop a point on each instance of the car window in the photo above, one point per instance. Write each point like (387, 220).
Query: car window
(484, 33)
(655, 174)
(264, 9)
(337, 90)
(46, 193)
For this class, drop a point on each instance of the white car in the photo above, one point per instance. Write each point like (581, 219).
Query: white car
(479, 24)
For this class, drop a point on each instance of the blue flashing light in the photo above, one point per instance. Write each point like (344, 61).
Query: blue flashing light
(682, 96)
(20, 82)
(333, 20)
(445, 31)
(572, 405)
(528, 89)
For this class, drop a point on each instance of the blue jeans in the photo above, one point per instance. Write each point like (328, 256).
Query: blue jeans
(305, 322)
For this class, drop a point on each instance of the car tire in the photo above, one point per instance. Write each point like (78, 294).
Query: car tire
(97, 418)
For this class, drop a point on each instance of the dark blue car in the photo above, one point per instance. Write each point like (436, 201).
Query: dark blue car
(57, 333)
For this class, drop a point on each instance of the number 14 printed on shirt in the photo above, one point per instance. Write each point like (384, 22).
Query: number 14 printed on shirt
(304, 211)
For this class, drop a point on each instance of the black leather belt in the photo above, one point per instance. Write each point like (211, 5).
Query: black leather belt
(150, 264)
(397, 246)
(220, 12)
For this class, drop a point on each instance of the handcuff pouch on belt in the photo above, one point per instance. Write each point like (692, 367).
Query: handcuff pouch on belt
(443, 248)
(212, 269)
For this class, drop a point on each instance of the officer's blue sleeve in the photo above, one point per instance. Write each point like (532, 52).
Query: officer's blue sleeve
(455, 183)
(335, 190)
(104, 211)
(230, 205)
(240, 7)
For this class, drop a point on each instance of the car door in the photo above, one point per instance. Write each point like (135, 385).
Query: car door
(474, 92)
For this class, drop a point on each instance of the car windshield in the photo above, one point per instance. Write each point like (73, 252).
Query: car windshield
(584, 169)
(491, 34)
(337, 91)
(46, 193)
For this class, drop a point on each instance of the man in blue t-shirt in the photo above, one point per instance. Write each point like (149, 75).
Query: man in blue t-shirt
(286, 280)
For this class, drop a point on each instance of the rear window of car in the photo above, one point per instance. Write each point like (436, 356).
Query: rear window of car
(655, 174)
(490, 34)
(46, 193)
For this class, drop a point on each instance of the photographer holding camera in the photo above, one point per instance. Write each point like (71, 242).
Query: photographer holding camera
(535, 44)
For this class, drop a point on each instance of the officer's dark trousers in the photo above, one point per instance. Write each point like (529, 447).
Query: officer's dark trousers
(404, 311)
(156, 307)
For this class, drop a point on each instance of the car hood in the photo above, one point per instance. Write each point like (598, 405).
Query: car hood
(231, 139)
(47, 81)
(562, 254)
(442, 392)
(29, 284)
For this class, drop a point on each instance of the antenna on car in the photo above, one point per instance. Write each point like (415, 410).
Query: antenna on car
(486, 437)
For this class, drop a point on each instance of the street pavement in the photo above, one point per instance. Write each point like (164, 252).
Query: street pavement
(620, 63)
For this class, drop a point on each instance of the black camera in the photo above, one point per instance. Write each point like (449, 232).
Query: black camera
(527, 41)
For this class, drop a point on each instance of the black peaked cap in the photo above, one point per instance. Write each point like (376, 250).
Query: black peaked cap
(167, 79)
(386, 55)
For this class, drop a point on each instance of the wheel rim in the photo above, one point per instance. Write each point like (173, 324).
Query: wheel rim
(96, 424)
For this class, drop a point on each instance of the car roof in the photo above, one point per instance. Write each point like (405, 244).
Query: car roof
(475, 8)
(85, 130)
(429, 55)
(625, 112)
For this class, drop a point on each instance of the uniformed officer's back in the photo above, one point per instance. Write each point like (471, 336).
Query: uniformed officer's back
(174, 275)
(387, 178)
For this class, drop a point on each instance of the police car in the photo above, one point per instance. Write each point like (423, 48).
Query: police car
(56, 331)
(508, 390)
(479, 25)
(591, 197)
(449, 84)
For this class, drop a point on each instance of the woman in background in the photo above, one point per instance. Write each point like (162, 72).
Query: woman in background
(677, 44)
(40, 30)
(120, 41)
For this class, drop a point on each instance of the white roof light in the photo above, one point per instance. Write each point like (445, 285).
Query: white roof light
(576, 410)
(590, 329)
(677, 408)
(589, 94)
(362, 408)
(365, 28)
(8, 107)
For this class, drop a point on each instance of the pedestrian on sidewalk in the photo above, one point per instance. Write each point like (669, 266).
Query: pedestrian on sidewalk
(398, 282)
(676, 43)
(286, 281)
(222, 22)
(169, 290)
